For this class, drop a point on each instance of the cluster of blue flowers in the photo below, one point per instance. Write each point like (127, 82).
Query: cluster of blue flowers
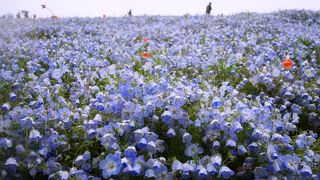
(209, 100)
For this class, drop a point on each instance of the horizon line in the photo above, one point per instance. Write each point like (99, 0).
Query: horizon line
(163, 15)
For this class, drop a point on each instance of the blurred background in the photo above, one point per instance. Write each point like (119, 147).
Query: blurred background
(93, 8)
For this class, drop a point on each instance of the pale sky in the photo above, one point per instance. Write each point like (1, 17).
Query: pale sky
(92, 8)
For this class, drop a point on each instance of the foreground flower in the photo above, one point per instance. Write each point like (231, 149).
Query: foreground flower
(287, 64)
(225, 172)
(34, 135)
(146, 54)
(5, 143)
(111, 165)
(11, 164)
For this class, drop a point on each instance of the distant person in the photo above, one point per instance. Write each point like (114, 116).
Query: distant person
(130, 13)
(26, 14)
(208, 9)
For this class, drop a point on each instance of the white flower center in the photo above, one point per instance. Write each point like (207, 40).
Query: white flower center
(111, 166)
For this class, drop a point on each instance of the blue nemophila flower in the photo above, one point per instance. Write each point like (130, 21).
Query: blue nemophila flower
(34, 136)
(216, 145)
(111, 165)
(306, 171)
(215, 124)
(86, 155)
(193, 150)
(151, 147)
(97, 119)
(216, 102)
(204, 115)
(211, 169)
(161, 171)
(27, 122)
(277, 137)
(290, 162)
(16, 86)
(91, 133)
(13, 96)
(62, 175)
(241, 150)
(11, 164)
(5, 143)
(186, 138)
(257, 133)
(151, 136)
(5, 106)
(216, 161)
(166, 117)
(202, 171)
(171, 133)
(159, 102)
(225, 172)
(231, 143)
(254, 147)
(187, 167)
(197, 123)
(142, 144)
(273, 167)
(178, 101)
(176, 165)
(79, 161)
(64, 114)
(150, 107)
(56, 74)
(304, 141)
(139, 133)
(130, 152)
(35, 104)
(100, 107)
(19, 149)
(260, 172)
(109, 141)
(136, 169)
(150, 173)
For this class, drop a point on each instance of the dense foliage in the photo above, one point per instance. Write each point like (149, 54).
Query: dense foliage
(161, 97)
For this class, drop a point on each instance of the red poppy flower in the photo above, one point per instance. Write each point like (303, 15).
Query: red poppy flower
(145, 40)
(287, 64)
(146, 54)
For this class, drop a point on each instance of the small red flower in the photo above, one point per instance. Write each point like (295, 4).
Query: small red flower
(145, 40)
(287, 64)
(146, 54)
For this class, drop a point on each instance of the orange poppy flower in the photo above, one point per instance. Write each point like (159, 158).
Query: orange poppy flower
(287, 64)
(146, 54)
(145, 40)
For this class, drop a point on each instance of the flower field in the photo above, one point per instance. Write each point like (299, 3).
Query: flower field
(191, 97)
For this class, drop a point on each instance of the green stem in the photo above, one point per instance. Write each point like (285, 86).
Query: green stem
(27, 135)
